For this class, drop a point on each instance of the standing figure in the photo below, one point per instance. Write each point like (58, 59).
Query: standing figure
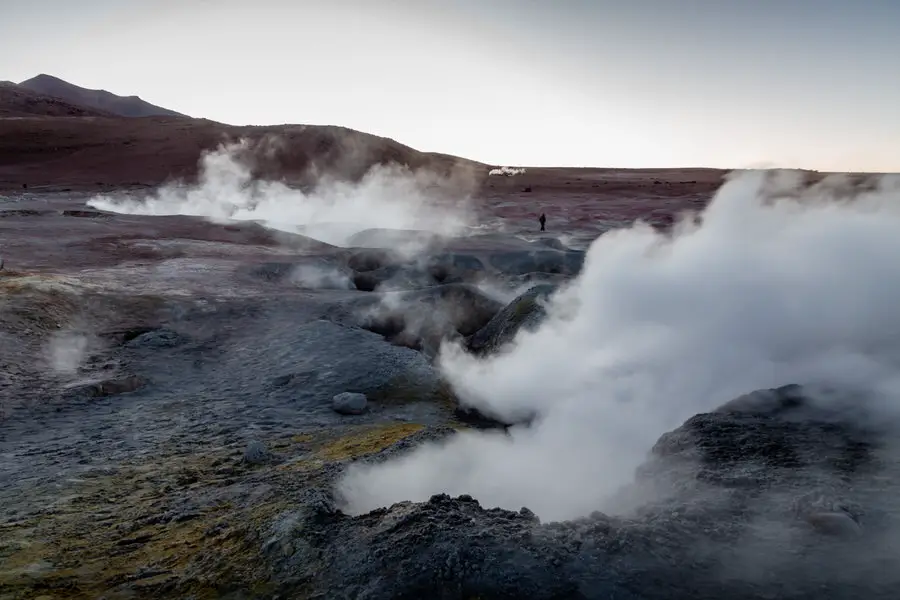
(543, 221)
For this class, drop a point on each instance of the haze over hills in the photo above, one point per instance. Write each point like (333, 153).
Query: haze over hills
(125, 106)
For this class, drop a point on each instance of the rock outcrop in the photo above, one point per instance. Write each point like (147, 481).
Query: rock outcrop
(525, 312)
(422, 319)
(729, 505)
(349, 403)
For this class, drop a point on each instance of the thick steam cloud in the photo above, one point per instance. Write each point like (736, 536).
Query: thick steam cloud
(386, 197)
(773, 284)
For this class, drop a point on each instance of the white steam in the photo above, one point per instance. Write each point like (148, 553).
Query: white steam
(778, 285)
(506, 171)
(320, 277)
(386, 197)
(67, 351)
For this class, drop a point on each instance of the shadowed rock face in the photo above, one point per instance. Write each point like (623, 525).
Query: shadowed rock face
(525, 312)
(421, 319)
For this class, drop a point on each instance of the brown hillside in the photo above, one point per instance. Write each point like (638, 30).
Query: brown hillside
(93, 152)
(16, 101)
(124, 106)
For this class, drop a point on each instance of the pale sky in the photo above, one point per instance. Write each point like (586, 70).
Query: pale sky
(627, 83)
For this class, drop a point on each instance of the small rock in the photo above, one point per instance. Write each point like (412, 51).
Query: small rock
(524, 312)
(256, 453)
(108, 387)
(836, 523)
(154, 338)
(350, 403)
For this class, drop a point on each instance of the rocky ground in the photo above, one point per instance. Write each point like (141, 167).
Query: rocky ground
(178, 398)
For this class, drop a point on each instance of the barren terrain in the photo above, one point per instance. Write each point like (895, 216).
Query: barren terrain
(179, 398)
(100, 100)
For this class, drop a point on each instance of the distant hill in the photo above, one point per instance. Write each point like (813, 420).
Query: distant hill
(118, 151)
(107, 102)
(53, 133)
(17, 101)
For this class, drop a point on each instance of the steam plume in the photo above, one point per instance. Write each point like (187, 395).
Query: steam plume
(386, 197)
(776, 283)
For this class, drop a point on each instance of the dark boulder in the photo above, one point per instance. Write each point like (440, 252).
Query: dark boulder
(256, 453)
(421, 319)
(349, 403)
(370, 259)
(156, 338)
(525, 312)
(393, 277)
(455, 268)
(105, 387)
(416, 274)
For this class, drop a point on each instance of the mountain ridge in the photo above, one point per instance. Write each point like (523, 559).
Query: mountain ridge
(102, 100)
(19, 102)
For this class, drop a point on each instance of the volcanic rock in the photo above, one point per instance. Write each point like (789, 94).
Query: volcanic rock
(421, 319)
(525, 312)
(349, 403)
(256, 453)
(721, 522)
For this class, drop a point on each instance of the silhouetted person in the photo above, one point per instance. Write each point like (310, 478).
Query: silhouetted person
(543, 221)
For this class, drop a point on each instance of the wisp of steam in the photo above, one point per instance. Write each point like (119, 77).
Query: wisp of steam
(775, 283)
(506, 171)
(386, 197)
(67, 351)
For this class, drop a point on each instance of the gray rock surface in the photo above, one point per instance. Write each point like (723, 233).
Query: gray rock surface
(256, 453)
(726, 519)
(316, 272)
(421, 319)
(525, 312)
(393, 238)
(156, 338)
(325, 358)
(371, 259)
(349, 403)
(393, 277)
(545, 261)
